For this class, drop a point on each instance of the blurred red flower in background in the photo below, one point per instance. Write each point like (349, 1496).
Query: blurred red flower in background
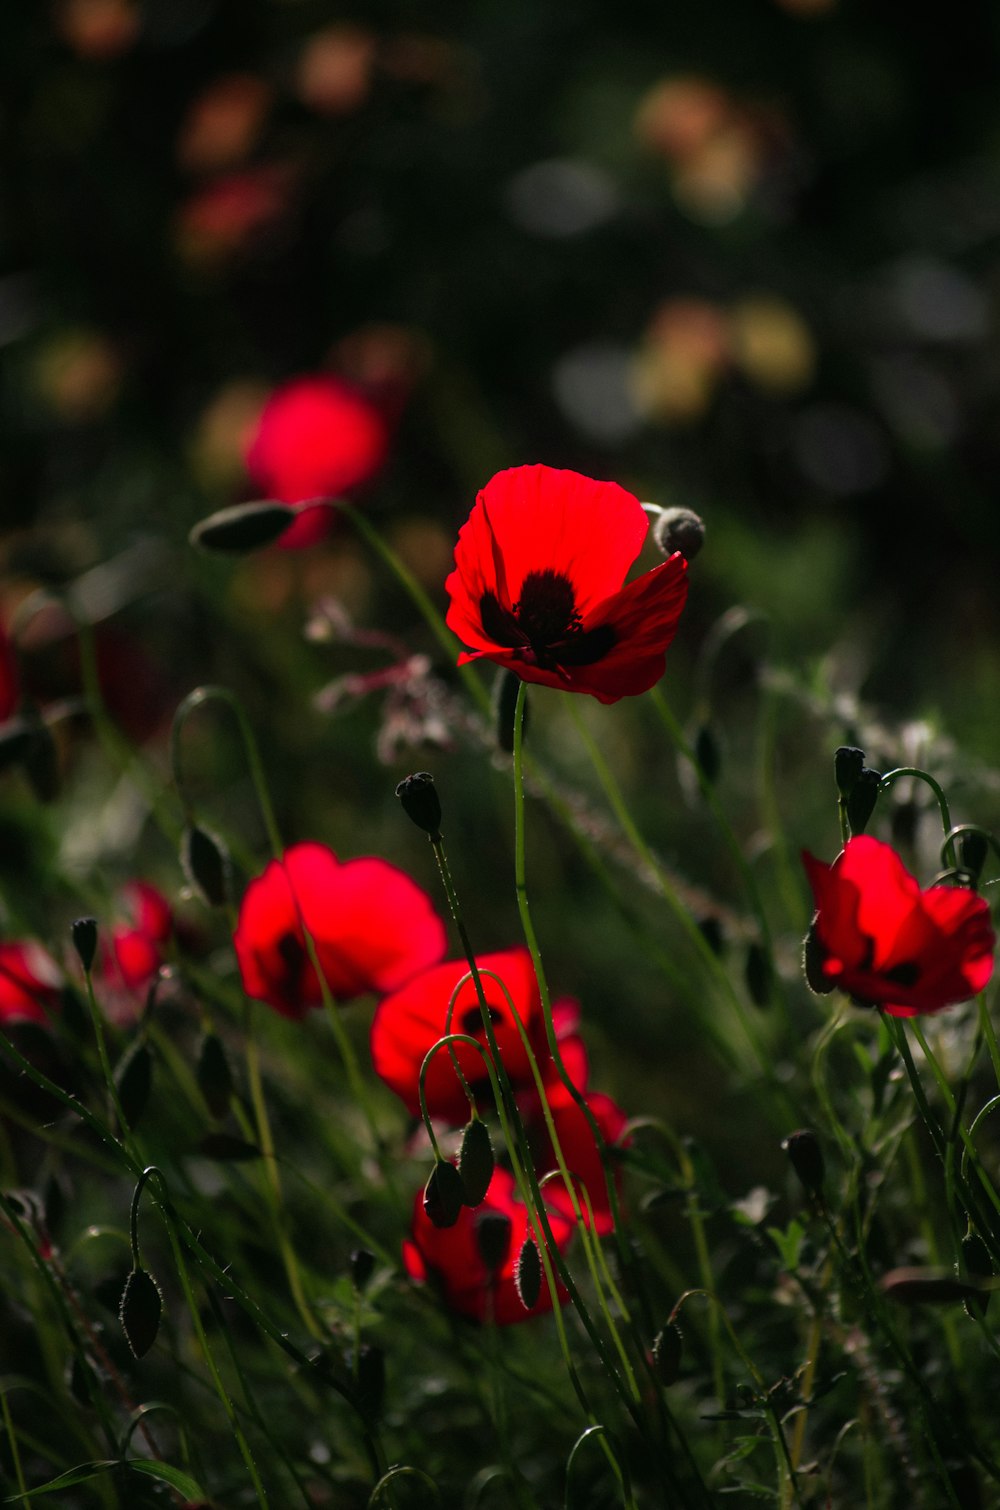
(453, 1256)
(317, 437)
(130, 961)
(10, 689)
(30, 982)
(409, 1022)
(538, 584)
(372, 928)
(880, 938)
(580, 1151)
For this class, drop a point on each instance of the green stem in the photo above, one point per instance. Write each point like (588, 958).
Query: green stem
(678, 910)
(708, 792)
(908, 770)
(272, 1180)
(197, 699)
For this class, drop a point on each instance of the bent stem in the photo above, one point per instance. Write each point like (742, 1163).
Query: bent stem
(198, 699)
(908, 770)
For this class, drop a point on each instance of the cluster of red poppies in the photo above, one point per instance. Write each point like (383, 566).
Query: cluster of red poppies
(538, 588)
(127, 963)
(310, 910)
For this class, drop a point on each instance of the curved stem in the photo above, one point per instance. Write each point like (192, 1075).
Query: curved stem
(908, 770)
(197, 699)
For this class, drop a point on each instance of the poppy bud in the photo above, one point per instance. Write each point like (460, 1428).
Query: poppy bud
(711, 930)
(215, 1078)
(476, 1162)
(848, 763)
(860, 801)
(134, 1081)
(973, 848)
(370, 1379)
(757, 974)
(707, 752)
(806, 1158)
(667, 1354)
(444, 1194)
(41, 763)
(528, 1274)
(243, 527)
(911, 1287)
(84, 933)
(678, 529)
(493, 1229)
(362, 1266)
(421, 803)
(139, 1311)
(205, 861)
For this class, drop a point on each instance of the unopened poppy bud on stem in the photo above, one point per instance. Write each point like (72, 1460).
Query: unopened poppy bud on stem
(860, 803)
(493, 1237)
(678, 529)
(806, 1157)
(84, 932)
(848, 763)
(421, 803)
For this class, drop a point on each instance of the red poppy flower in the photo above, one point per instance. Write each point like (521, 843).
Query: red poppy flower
(317, 437)
(137, 945)
(886, 942)
(537, 585)
(371, 925)
(453, 1256)
(29, 982)
(579, 1147)
(130, 959)
(10, 690)
(410, 1021)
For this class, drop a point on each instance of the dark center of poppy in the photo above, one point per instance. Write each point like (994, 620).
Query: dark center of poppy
(906, 974)
(546, 611)
(472, 1020)
(544, 627)
(292, 954)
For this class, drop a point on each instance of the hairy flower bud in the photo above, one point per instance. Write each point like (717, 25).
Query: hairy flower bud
(848, 763)
(84, 933)
(806, 1157)
(421, 803)
(678, 529)
(493, 1232)
(860, 801)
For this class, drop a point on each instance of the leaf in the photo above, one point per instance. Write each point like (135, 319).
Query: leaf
(167, 1474)
(215, 1078)
(134, 1081)
(788, 1243)
(78, 1475)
